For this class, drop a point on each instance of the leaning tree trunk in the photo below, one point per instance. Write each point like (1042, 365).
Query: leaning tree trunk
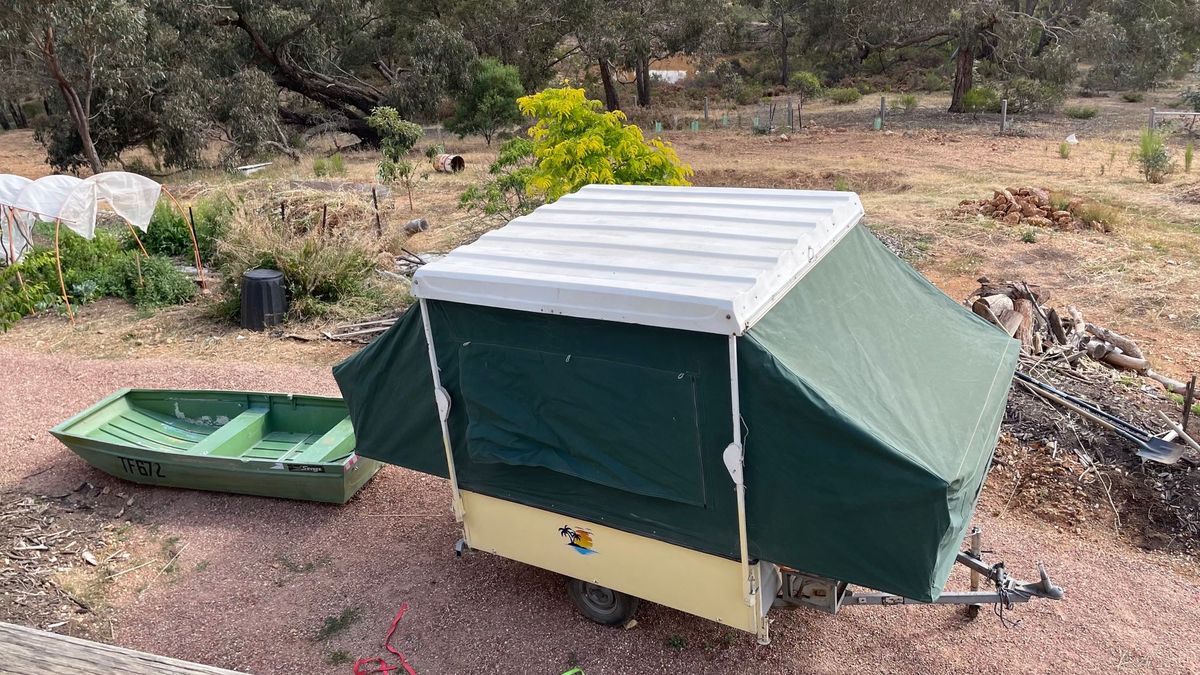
(80, 113)
(642, 78)
(4, 123)
(964, 74)
(18, 115)
(612, 98)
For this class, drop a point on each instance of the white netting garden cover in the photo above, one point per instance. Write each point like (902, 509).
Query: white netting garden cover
(14, 240)
(73, 202)
(43, 198)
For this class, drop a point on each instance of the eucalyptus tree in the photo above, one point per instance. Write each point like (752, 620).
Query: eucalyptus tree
(90, 52)
(1030, 38)
(633, 33)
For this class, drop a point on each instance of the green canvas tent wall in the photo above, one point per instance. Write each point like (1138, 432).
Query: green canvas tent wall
(585, 350)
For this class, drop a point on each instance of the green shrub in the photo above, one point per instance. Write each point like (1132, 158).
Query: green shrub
(1064, 150)
(980, 99)
(576, 142)
(805, 84)
(397, 137)
(325, 275)
(1027, 95)
(148, 283)
(434, 150)
(83, 260)
(934, 82)
(1029, 236)
(1191, 98)
(1081, 112)
(748, 93)
(320, 167)
(843, 95)
(337, 164)
(19, 300)
(1152, 156)
(169, 234)
(489, 105)
(904, 102)
(1133, 97)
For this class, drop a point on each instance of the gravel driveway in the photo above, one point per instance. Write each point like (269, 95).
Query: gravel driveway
(259, 577)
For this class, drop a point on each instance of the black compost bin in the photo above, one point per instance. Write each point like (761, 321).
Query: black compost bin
(263, 300)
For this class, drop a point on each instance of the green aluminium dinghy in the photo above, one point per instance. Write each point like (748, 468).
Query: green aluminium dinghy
(272, 445)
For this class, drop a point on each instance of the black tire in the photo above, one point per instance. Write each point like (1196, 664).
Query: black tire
(600, 604)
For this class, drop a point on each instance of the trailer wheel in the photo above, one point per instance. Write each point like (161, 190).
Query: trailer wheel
(600, 604)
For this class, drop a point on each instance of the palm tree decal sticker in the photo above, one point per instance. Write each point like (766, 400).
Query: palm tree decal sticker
(578, 539)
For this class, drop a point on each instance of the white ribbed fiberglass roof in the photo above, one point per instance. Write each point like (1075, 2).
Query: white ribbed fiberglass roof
(712, 260)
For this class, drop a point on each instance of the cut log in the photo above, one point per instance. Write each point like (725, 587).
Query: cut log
(1078, 326)
(1056, 326)
(1126, 362)
(1120, 341)
(1097, 349)
(1025, 331)
(1170, 384)
(1010, 321)
(992, 306)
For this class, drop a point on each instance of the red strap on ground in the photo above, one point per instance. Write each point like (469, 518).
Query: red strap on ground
(384, 666)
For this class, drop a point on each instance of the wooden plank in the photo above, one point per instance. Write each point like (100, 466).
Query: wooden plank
(26, 650)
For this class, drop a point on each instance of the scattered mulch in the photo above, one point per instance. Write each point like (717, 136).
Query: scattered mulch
(1191, 193)
(1071, 472)
(57, 558)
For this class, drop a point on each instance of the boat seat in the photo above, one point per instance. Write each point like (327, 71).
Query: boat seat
(236, 436)
(337, 442)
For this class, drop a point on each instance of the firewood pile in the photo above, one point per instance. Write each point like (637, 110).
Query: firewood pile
(1034, 206)
(1048, 334)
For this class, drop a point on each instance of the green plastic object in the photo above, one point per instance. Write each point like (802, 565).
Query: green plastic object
(272, 445)
(870, 405)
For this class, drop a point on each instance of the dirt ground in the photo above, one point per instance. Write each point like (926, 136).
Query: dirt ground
(250, 584)
(257, 578)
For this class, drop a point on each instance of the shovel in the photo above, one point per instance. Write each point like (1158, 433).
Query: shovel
(1153, 449)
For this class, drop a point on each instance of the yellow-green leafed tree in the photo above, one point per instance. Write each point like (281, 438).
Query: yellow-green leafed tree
(577, 143)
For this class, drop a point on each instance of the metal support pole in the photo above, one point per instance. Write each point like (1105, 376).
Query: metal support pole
(734, 459)
(443, 405)
(1151, 122)
(1003, 116)
(882, 110)
(705, 108)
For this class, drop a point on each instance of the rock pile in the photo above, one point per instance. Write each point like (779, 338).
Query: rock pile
(1035, 206)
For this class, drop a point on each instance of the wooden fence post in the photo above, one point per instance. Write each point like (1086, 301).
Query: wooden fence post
(1151, 120)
